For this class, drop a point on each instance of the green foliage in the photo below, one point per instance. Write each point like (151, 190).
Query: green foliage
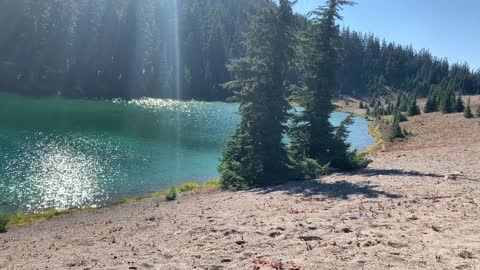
(448, 103)
(213, 184)
(361, 105)
(478, 111)
(312, 135)
(107, 48)
(431, 105)
(395, 129)
(467, 112)
(459, 104)
(256, 155)
(24, 219)
(402, 117)
(171, 194)
(413, 108)
(403, 102)
(356, 161)
(189, 186)
(311, 168)
(4, 219)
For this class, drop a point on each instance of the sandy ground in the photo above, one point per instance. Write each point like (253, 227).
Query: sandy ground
(351, 105)
(400, 213)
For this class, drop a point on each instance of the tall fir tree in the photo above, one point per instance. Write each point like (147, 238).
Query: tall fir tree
(312, 134)
(256, 155)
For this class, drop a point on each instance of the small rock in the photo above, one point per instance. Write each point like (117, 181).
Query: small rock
(354, 215)
(240, 242)
(274, 234)
(309, 238)
(346, 230)
(466, 255)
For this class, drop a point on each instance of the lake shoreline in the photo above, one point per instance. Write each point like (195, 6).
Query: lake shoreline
(21, 219)
(68, 153)
(416, 206)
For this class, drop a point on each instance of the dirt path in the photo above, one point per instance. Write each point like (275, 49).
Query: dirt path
(400, 213)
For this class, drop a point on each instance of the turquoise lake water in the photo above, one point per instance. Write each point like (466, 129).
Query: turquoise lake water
(65, 153)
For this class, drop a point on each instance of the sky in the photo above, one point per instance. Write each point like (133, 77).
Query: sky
(448, 28)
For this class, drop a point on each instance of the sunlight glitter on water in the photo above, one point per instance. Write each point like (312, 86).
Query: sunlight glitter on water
(67, 153)
(54, 172)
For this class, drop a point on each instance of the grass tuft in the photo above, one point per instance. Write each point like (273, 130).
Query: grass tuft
(214, 184)
(4, 220)
(24, 219)
(189, 186)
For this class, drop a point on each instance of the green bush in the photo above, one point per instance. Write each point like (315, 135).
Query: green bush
(213, 184)
(4, 219)
(395, 130)
(402, 117)
(311, 168)
(189, 186)
(467, 113)
(467, 110)
(171, 194)
(357, 161)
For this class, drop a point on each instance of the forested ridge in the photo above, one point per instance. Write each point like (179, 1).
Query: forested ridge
(127, 49)
(120, 48)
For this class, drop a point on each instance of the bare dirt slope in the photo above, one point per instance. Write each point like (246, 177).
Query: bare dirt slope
(400, 213)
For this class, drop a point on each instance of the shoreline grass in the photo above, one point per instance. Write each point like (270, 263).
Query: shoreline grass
(24, 219)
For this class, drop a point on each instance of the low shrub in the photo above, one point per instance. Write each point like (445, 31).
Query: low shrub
(213, 184)
(311, 168)
(171, 194)
(4, 219)
(189, 186)
(402, 117)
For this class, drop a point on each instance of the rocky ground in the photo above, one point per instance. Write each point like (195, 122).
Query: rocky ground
(415, 207)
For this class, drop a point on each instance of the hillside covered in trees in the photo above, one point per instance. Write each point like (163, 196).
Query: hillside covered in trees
(372, 67)
(131, 48)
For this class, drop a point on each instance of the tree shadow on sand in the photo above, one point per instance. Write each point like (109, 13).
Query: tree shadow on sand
(340, 189)
(369, 172)
(344, 189)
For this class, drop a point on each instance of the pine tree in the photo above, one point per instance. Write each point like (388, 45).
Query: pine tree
(467, 112)
(459, 105)
(361, 106)
(431, 105)
(395, 129)
(447, 102)
(478, 111)
(413, 108)
(312, 134)
(256, 155)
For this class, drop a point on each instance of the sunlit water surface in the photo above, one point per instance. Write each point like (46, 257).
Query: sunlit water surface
(59, 153)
